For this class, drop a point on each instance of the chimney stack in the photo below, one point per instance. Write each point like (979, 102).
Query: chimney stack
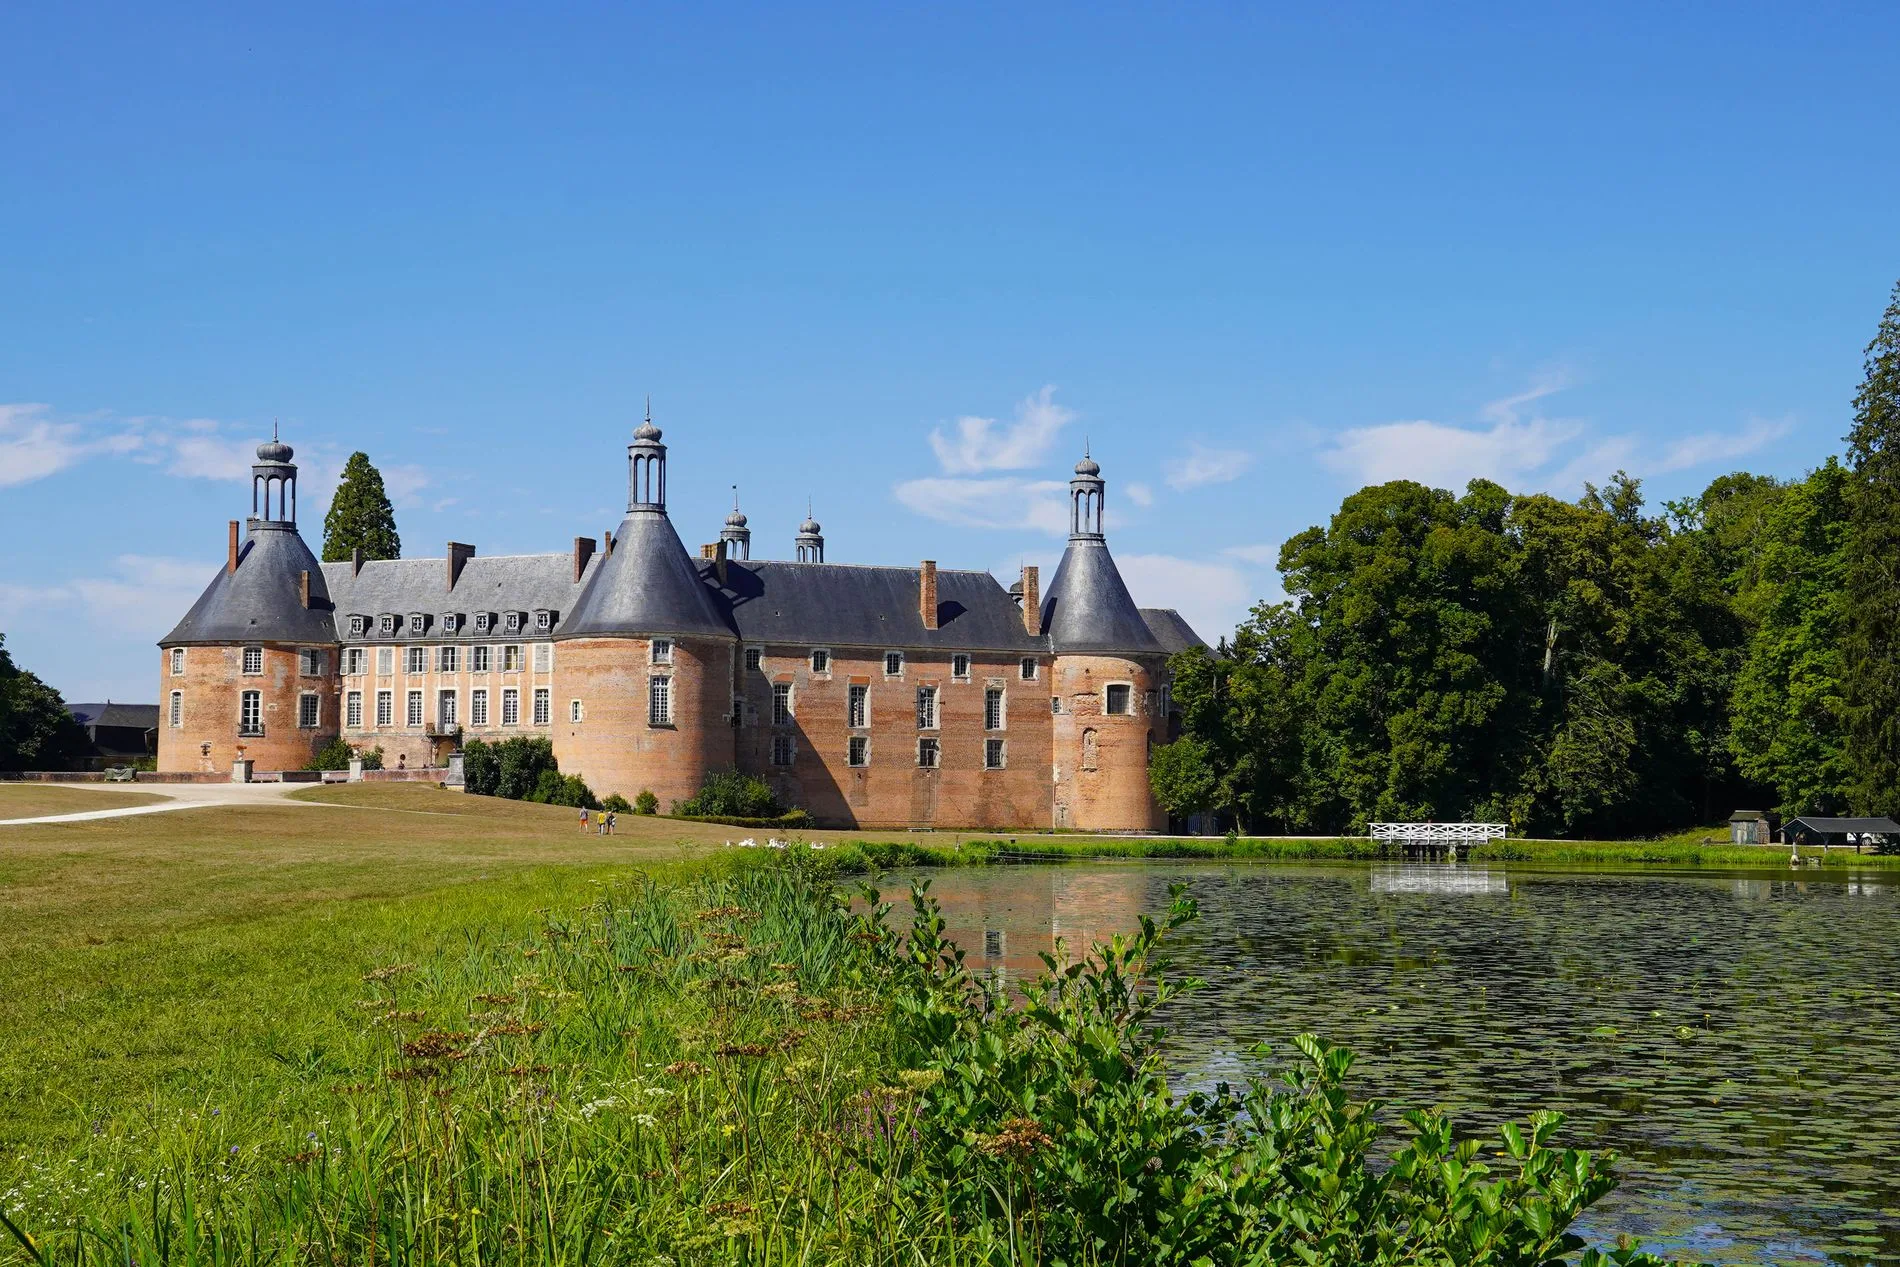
(927, 593)
(303, 589)
(356, 560)
(607, 543)
(1032, 601)
(230, 560)
(459, 555)
(583, 551)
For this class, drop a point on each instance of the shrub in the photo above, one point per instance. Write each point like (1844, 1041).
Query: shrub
(617, 803)
(481, 767)
(730, 794)
(511, 769)
(555, 788)
(337, 754)
(646, 802)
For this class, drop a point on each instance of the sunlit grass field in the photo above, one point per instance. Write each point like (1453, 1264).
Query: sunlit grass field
(32, 800)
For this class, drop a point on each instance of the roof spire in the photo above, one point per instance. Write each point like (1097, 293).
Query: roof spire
(1085, 498)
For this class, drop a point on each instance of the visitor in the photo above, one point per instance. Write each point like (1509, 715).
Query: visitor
(402, 761)
(613, 816)
(583, 819)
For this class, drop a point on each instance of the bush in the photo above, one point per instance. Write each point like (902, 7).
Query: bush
(511, 769)
(555, 788)
(617, 803)
(646, 802)
(337, 754)
(790, 820)
(730, 794)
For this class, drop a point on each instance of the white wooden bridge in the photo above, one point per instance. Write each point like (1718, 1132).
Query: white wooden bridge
(1437, 838)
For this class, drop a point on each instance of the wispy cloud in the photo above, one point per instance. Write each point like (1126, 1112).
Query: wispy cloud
(35, 443)
(1139, 493)
(1722, 446)
(1258, 555)
(983, 444)
(1212, 596)
(1203, 465)
(1000, 502)
(141, 595)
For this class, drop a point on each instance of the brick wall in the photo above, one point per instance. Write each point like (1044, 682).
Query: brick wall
(892, 790)
(210, 687)
(614, 747)
(1101, 761)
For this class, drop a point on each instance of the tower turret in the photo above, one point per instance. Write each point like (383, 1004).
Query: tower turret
(810, 542)
(735, 534)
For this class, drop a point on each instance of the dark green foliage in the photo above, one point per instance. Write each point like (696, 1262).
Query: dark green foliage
(729, 794)
(555, 788)
(1871, 649)
(360, 516)
(646, 802)
(36, 731)
(617, 803)
(511, 769)
(790, 820)
(1182, 776)
(335, 755)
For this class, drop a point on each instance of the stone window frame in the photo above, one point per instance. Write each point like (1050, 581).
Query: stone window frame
(1108, 689)
(355, 661)
(385, 662)
(310, 705)
(415, 661)
(574, 712)
(478, 706)
(784, 704)
(995, 754)
(313, 662)
(353, 710)
(929, 707)
(178, 661)
(1001, 695)
(386, 624)
(450, 716)
(358, 626)
(176, 713)
(252, 656)
(448, 658)
(1055, 706)
(250, 714)
(542, 703)
(385, 708)
(414, 709)
(660, 700)
(784, 751)
(511, 706)
(857, 693)
(929, 752)
(418, 622)
(857, 752)
(450, 622)
(543, 620)
(899, 657)
(511, 622)
(960, 674)
(820, 662)
(481, 658)
(483, 621)
(660, 651)
(1027, 668)
(511, 657)
(753, 658)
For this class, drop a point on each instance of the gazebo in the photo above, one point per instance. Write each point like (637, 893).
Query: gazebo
(1841, 831)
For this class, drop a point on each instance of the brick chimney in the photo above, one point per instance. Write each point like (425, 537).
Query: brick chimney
(303, 589)
(459, 555)
(583, 551)
(1032, 601)
(607, 543)
(230, 558)
(927, 593)
(356, 560)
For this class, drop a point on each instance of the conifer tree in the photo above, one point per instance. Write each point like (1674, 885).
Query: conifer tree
(1871, 650)
(360, 516)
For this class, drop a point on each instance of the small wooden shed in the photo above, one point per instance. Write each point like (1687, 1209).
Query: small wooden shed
(1749, 827)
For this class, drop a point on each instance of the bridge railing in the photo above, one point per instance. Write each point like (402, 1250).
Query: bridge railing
(1438, 833)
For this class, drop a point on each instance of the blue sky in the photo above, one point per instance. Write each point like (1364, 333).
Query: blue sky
(902, 261)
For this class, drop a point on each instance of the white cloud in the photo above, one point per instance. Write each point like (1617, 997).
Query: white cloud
(1722, 446)
(34, 445)
(981, 444)
(1203, 465)
(1261, 555)
(199, 454)
(1002, 502)
(141, 596)
(1139, 493)
(1213, 597)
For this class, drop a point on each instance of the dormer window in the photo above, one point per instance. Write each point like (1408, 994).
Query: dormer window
(386, 624)
(513, 620)
(357, 626)
(543, 619)
(450, 621)
(417, 622)
(483, 620)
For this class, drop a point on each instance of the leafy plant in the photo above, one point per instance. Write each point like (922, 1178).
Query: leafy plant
(730, 794)
(616, 803)
(646, 802)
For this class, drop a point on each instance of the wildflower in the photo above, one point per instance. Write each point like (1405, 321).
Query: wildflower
(684, 1069)
(1018, 1141)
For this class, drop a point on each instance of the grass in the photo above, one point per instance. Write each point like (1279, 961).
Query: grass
(32, 800)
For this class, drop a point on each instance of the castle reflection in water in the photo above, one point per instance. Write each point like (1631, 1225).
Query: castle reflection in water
(1006, 918)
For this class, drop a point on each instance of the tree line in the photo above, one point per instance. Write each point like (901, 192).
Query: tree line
(1586, 668)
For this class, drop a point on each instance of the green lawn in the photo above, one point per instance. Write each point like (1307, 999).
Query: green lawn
(32, 800)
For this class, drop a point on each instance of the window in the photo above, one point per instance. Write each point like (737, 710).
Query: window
(415, 708)
(251, 713)
(478, 659)
(178, 662)
(754, 657)
(178, 709)
(927, 753)
(782, 750)
(858, 707)
(357, 626)
(992, 754)
(574, 710)
(993, 708)
(660, 700)
(858, 751)
(417, 622)
(781, 703)
(307, 710)
(385, 660)
(353, 710)
(354, 661)
(821, 661)
(449, 622)
(253, 660)
(478, 707)
(893, 664)
(1028, 668)
(542, 706)
(926, 708)
(387, 623)
(511, 658)
(960, 667)
(445, 710)
(448, 659)
(662, 649)
(385, 708)
(1115, 700)
(544, 619)
(1055, 704)
(543, 656)
(513, 621)
(483, 620)
(416, 660)
(510, 706)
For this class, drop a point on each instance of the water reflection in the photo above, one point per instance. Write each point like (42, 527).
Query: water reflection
(1733, 1035)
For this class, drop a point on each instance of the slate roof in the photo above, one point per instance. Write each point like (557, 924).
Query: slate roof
(1087, 607)
(132, 716)
(1173, 633)
(260, 601)
(1842, 826)
(494, 583)
(647, 586)
(857, 605)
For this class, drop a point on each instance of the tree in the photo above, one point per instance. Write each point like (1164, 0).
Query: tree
(1181, 775)
(1871, 648)
(360, 517)
(36, 731)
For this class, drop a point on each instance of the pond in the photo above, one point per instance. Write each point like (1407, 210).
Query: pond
(1732, 1035)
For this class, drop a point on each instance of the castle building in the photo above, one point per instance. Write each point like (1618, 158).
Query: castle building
(870, 696)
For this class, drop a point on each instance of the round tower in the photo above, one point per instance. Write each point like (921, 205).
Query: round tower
(1105, 680)
(735, 534)
(251, 670)
(643, 666)
(810, 542)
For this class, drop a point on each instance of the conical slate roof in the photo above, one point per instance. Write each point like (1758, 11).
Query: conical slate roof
(648, 585)
(1087, 607)
(261, 601)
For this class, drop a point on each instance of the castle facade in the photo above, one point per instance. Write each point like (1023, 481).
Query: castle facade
(870, 696)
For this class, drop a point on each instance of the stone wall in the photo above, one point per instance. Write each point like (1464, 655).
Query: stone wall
(211, 685)
(614, 747)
